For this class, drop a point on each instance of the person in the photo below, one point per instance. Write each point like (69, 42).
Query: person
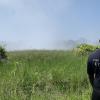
(93, 70)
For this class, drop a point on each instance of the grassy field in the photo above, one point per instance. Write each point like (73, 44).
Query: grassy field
(44, 75)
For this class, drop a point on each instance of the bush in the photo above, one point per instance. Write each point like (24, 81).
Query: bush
(3, 53)
(83, 49)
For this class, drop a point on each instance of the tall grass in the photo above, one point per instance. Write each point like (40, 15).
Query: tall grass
(44, 75)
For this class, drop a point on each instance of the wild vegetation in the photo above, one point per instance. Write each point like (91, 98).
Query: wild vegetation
(85, 49)
(3, 53)
(44, 75)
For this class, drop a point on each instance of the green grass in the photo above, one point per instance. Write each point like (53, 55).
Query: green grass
(44, 75)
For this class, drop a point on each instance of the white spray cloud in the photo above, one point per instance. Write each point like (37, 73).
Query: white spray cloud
(32, 21)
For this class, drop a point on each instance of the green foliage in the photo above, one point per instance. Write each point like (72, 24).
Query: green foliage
(3, 53)
(84, 49)
(44, 75)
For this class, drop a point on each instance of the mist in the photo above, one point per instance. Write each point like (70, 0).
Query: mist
(46, 24)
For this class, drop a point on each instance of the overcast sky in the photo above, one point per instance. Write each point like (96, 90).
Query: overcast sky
(40, 24)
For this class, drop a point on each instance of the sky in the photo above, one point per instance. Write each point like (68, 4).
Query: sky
(44, 24)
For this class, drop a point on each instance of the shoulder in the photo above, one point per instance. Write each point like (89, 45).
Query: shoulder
(95, 54)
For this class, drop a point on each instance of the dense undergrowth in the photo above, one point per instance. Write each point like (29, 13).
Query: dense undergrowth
(44, 75)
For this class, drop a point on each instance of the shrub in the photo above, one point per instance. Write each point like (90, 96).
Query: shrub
(83, 49)
(3, 53)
